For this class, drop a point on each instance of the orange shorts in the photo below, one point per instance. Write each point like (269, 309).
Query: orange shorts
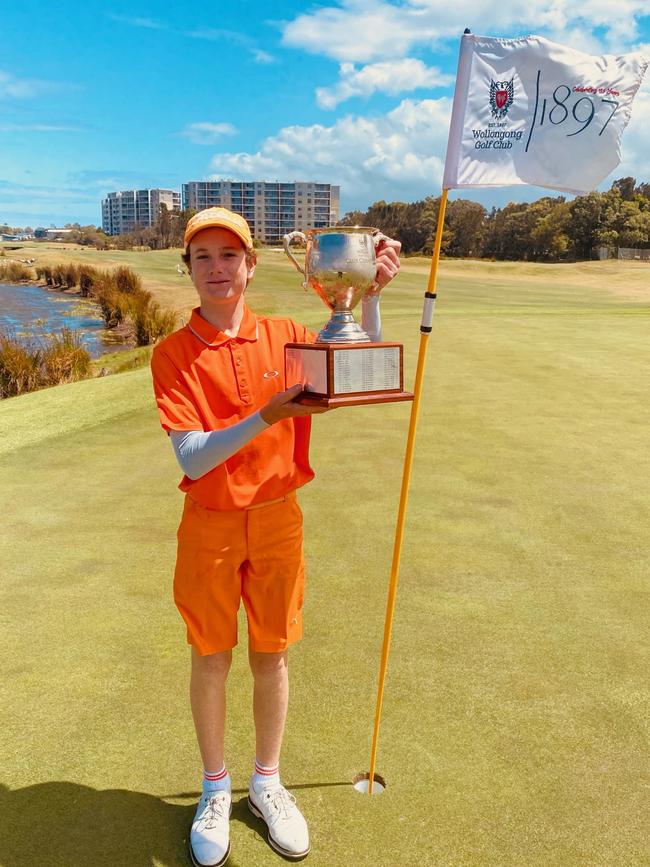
(251, 554)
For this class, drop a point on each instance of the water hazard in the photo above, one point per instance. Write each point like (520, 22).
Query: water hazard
(28, 312)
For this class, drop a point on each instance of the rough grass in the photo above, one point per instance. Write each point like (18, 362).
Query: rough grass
(515, 724)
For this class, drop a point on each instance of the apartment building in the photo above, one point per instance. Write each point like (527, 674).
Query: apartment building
(271, 208)
(123, 211)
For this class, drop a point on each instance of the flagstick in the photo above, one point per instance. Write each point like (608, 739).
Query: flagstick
(425, 330)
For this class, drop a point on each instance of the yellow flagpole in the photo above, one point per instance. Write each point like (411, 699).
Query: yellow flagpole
(425, 330)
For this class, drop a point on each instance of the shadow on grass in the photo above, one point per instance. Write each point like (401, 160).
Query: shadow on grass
(70, 825)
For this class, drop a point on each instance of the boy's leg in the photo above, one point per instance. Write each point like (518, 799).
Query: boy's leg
(208, 700)
(209, 834)
(270, 701)
(272, 590)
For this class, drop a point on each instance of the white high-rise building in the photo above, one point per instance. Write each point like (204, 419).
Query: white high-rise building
(271, 208)
(123, 211)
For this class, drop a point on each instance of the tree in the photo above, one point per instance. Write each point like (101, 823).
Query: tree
(466, 228)
(550, 233)
(625, 186)
(586, 221)
(353, 218)
(164, 226)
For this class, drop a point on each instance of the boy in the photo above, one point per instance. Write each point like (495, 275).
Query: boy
(243, 444)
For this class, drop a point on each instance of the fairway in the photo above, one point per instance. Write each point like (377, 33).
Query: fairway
(515, 728)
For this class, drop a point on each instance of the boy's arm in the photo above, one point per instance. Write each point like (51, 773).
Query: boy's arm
(371, 317)
(387, 267)
(199, 451)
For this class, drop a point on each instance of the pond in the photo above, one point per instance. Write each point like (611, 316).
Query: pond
(28, 312)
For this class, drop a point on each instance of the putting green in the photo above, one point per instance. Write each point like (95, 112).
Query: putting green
(515, 724)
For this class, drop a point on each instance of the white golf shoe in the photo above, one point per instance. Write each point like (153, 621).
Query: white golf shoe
(288, 832)
(210, 833)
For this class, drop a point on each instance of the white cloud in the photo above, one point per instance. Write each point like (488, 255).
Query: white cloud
(359, 30)
(262, 56)
(396, 156)
(23, 88)
(243, 40)
(365, 30)
(392, 77)
(134, 21)
(205, 133)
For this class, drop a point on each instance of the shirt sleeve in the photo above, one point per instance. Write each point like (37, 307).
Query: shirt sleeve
(176, 408)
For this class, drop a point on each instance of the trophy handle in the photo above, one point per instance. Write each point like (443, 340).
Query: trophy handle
(287, 240)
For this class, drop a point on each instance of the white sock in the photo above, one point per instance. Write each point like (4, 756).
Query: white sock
(265, 775)
(216, 781)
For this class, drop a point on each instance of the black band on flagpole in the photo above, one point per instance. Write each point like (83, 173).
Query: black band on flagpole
(433, 295)
(426, 329)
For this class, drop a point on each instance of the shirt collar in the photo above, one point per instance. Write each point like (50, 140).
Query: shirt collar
(212, 336)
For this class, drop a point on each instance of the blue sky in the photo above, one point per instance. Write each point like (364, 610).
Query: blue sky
(106, 96)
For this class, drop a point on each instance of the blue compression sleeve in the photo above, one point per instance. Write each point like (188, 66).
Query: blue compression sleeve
(199, 451)
(370, 317)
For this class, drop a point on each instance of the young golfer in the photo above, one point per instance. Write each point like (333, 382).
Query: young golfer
(243, 444)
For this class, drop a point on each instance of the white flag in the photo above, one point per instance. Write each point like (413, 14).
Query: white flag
(530, 111)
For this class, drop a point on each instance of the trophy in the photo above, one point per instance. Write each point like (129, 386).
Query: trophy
(343, 367)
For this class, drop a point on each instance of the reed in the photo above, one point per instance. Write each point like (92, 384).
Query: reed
(53, 359)
(15, 272)
(19, 366)
(151, 322)
(64, 358)
(88, 275)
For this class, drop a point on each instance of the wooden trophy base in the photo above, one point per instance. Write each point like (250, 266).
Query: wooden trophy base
(346, 374)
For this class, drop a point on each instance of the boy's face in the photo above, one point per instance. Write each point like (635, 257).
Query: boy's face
(219, 266)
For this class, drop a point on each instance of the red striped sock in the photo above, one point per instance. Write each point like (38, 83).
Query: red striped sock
(213, 781)
(264, 775)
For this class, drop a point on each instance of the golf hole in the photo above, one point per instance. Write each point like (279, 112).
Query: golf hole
(361, 783)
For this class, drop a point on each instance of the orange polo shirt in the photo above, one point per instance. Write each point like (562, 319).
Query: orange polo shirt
(205, 380)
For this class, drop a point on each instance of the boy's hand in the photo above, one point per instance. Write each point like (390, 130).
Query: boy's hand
(388, 263)
(282, 406)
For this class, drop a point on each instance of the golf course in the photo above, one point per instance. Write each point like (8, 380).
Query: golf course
(515, 727)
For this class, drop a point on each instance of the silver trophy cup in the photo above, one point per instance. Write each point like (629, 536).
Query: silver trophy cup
(340, 266)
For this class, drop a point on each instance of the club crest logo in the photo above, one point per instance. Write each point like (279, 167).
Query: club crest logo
(502, 94)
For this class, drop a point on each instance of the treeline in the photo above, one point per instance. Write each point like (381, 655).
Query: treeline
(167, 231)
(547, 230)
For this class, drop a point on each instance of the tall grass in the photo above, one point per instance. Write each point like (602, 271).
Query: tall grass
(127, 281)
(27, 367)
(88, 275)
(151, 322)
(15, 272)
(64, 358)
(58, 275)
(113, 304)
(122, 299)
(19, 367)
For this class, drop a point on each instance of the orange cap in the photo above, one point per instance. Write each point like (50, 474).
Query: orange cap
(220, 218)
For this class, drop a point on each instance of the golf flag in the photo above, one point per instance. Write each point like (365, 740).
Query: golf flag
(530, 111)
